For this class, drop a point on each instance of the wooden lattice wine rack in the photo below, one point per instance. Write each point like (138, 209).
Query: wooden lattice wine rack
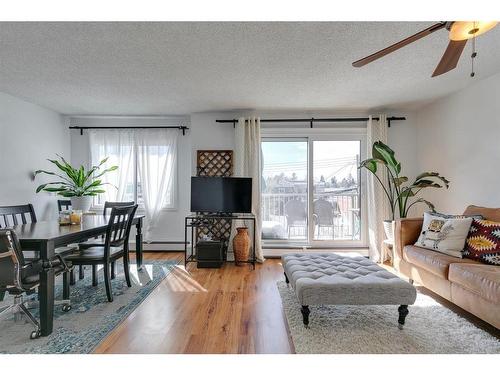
(215, 163)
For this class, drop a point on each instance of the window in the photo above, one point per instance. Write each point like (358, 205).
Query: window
(146, 161)
(312, 189)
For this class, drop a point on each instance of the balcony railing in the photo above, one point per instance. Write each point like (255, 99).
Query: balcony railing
(284, 216)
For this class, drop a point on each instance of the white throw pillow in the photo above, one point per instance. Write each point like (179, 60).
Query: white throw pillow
(445, 235)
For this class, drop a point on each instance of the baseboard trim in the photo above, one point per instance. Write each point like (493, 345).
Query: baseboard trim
(278, 252)
(162, 251)
(160, 246)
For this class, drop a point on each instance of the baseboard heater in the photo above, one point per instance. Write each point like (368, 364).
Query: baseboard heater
(165, 242)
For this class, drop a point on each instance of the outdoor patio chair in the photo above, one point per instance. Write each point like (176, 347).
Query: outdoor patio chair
(296, 214)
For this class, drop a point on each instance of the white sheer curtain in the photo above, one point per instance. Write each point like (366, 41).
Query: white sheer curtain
(118, 146)
(157, 169)
(378, 206)
(247, 163)
(154, 153)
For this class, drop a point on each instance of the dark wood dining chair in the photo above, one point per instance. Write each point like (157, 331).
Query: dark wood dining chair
(115, 247)
(110, 205)
(63, 204)
(25, 214)
(14, 215)
(100, 241)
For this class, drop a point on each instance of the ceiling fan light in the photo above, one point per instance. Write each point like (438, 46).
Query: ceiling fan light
(463, 30)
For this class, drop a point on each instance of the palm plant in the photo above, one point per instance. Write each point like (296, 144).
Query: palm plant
(401, 197)
(75, 182)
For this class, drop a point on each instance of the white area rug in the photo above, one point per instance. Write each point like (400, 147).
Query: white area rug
(430, 328)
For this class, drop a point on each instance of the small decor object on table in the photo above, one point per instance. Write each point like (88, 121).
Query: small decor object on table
(241, 246)
(76, 183)
(65, 217)
(76, 217)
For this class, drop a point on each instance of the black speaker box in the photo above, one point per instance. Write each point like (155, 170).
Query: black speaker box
(209, 254)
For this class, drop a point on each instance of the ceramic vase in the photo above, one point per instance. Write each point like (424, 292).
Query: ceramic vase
(81, 203)
(241, 245)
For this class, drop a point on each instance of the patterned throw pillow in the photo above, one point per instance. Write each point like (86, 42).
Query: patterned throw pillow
(444, 235)
(483, 242)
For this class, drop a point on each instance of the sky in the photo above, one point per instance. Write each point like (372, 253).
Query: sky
(331, 158)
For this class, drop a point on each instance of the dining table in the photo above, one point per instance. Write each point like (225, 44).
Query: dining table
(45, 236)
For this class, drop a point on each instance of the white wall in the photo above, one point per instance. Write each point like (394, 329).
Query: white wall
(459, 136)
(402, 137)
(29, 134)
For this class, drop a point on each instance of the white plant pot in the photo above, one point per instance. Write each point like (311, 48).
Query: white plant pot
(389, 229)
(81, 203)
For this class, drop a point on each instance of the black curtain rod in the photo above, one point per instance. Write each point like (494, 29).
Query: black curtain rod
(81, 128)
(312, 120)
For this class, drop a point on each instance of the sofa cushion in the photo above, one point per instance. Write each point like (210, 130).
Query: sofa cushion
(480, 279)
(432, 261)
(483, 242)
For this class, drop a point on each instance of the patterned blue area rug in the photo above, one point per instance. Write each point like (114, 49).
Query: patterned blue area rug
(92, 317)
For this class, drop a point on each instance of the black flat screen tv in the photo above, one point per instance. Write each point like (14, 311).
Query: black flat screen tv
(221, 194)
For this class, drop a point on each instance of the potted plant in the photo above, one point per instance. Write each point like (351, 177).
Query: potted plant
(76, 183)
(401, 195)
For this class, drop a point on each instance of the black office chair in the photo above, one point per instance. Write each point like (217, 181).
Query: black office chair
(19, 276)
(25, 214)
(115, 247)
(64, 204)
(100, 242)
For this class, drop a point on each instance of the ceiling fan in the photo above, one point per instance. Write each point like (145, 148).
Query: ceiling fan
(459, 32)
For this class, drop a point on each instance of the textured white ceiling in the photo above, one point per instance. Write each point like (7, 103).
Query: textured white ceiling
(179, 68)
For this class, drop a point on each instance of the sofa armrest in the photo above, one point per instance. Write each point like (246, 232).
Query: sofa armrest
(406, 232)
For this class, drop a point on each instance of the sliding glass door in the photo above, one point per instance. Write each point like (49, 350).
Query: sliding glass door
(312, 190)
(336, 190)
(285, 189)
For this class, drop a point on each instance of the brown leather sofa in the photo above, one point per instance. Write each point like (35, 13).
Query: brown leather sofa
(472, 285)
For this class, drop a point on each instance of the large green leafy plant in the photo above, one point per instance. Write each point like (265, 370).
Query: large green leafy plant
(75, 182)
(402, 196)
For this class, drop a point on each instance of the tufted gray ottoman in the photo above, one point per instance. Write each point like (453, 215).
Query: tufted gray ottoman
(332, 279)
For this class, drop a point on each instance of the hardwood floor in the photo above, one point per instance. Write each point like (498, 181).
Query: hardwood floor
(227, 310)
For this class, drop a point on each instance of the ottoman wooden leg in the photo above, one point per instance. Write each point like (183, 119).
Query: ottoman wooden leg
(286, 278)
(305, 314)
(403, 311)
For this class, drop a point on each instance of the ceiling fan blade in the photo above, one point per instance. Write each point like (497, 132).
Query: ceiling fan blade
(398, 45)
(451, 56)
